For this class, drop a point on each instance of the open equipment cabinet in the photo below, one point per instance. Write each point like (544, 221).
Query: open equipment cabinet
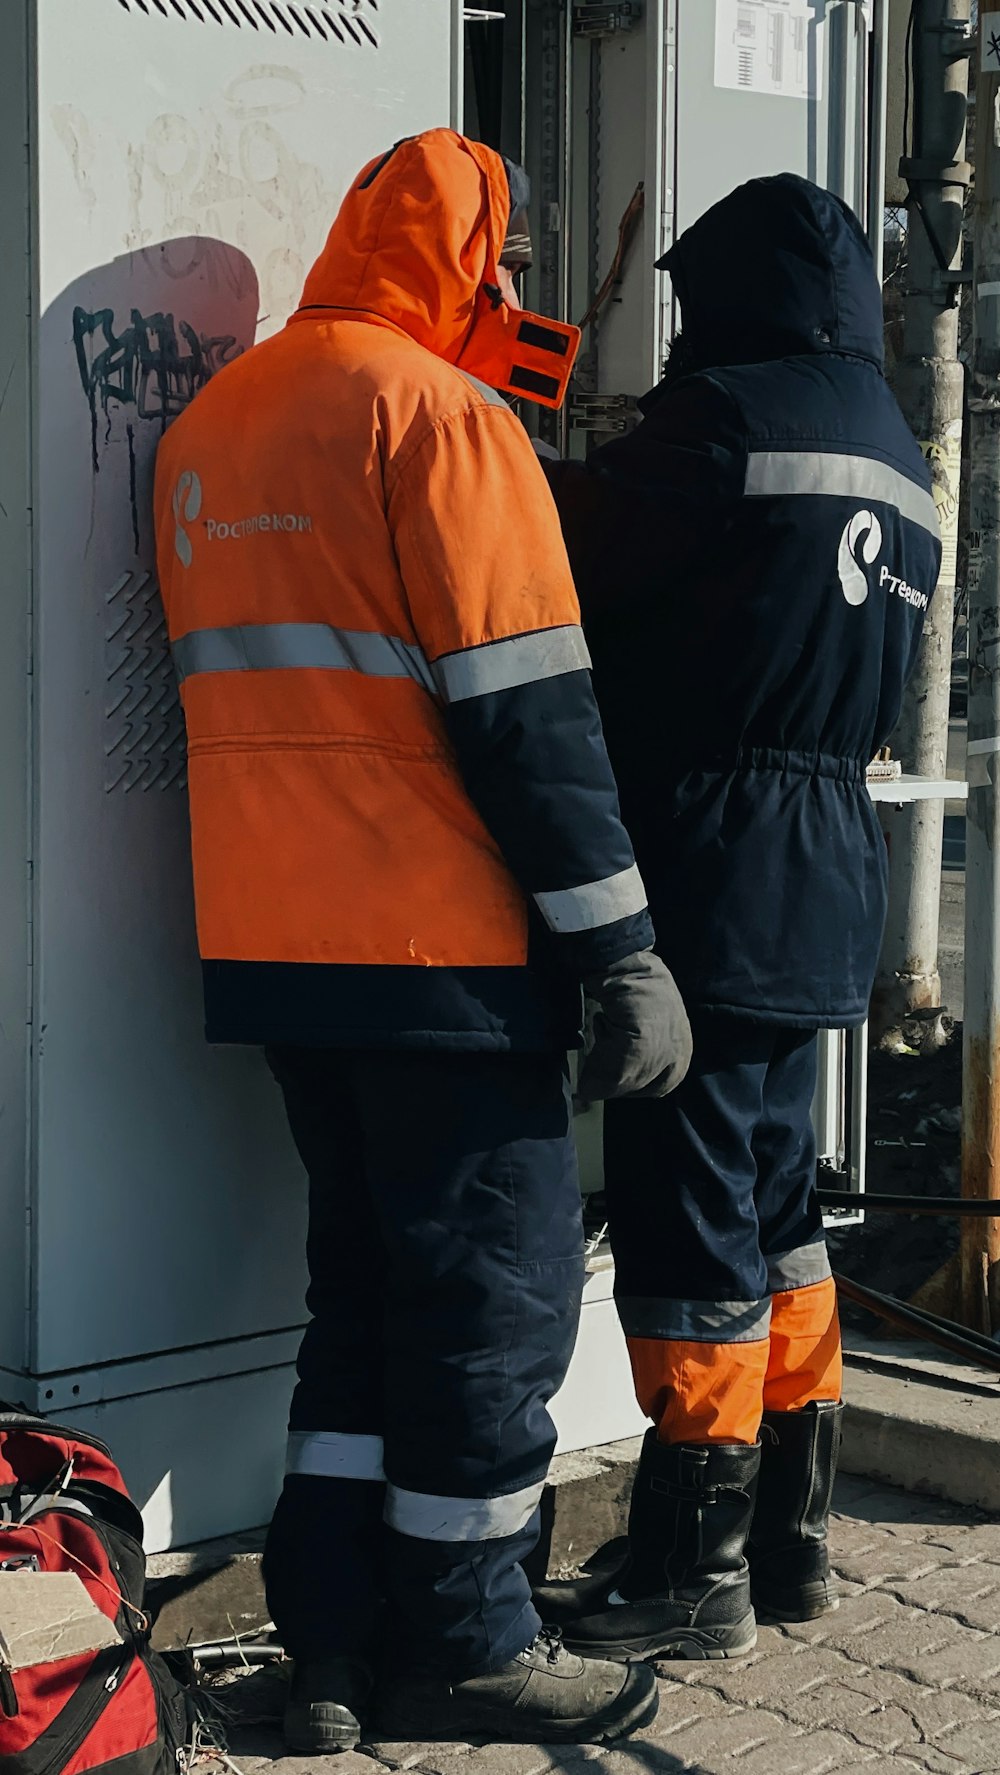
(170, 170)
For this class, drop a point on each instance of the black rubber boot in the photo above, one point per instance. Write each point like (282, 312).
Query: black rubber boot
(545, 1695)
(684, 1591)
(327, 1705)
(789, 1565)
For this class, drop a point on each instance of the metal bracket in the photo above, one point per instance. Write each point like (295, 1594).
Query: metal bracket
(602, 412)
(957, 38)
(593, 18)
(949, 172)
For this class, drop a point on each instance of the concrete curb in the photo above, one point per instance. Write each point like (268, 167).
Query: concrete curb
(923, 1424)
(211, 1592)
(910, 1420)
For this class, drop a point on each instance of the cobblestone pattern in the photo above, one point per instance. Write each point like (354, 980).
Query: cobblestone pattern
(904, 1677)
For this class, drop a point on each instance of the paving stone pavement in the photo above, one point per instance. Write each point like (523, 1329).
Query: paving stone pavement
(904, 1677)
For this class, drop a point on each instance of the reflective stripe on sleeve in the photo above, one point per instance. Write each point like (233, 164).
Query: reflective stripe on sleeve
(306, 646)
(426, 1517)
(334, 1454)
(800, 1268)
(775, 472)
(696, 1321)
(594, 904)
(503, 665)
(299, 646)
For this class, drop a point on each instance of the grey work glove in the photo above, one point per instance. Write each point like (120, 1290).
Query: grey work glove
(640, 1043)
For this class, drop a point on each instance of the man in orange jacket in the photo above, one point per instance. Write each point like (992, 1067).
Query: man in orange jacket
(408, 858)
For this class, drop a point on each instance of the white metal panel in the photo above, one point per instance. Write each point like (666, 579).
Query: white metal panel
(828, 1103)
(631, 134)
(190, 1475)
(188, 170)
(15, 681)
(724, 135)
(597, 1402)
(79, 1388)
(665, 117)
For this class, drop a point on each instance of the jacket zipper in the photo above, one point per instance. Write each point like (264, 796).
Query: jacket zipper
(79, 1716)
(9, 1703)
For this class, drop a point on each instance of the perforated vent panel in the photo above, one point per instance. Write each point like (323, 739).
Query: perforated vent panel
(349, 21)
(144, 743)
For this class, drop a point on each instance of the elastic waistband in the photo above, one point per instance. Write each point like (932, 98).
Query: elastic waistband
(799, 764)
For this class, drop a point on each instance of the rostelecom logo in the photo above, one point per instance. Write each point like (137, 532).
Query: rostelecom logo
(186, 506)
(860, 542)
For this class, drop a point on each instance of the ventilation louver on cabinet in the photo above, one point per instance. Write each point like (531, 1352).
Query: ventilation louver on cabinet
(144, 727)
(346, 22)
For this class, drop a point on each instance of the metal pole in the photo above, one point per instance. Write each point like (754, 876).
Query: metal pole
(879, 125)
(981, 1054)
(929, 385)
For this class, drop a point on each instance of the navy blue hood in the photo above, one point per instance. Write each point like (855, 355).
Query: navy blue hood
(777, 269)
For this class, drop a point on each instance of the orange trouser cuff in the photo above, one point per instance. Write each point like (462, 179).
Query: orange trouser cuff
(697, 1392)
(805, 1361)
(718, 1392)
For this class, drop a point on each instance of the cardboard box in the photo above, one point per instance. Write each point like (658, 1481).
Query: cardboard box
(45, 1616)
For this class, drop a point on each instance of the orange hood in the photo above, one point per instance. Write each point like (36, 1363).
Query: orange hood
(417, 241)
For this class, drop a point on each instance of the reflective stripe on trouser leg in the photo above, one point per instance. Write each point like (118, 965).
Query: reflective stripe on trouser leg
(323, 1557)
(801, 1268)
(334, 1454)
(474, 1175)
(426, 1516)
(805, 1358)
(699, 1366)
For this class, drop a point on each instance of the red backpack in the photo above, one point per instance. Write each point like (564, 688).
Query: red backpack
(64, 1508)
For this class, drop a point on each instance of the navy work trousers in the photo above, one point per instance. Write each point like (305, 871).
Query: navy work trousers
(446, 1270)
(722, 1278)
(709, 1190)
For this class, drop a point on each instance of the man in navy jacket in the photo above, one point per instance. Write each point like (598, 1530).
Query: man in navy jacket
(754, 563)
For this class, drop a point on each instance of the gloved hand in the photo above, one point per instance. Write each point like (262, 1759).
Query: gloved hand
(641, 1038)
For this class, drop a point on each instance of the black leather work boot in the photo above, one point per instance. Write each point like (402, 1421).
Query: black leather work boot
(327, 1704)
(545, 1695)
(684, 1591)
(790, 1576)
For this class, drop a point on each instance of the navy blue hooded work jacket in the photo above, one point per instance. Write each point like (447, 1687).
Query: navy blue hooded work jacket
(754, 563)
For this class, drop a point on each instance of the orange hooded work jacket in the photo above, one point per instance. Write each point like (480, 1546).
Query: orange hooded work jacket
(405, 829)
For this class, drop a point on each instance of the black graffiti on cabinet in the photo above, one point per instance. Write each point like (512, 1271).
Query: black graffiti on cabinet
(156, 365)
(133, 501)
